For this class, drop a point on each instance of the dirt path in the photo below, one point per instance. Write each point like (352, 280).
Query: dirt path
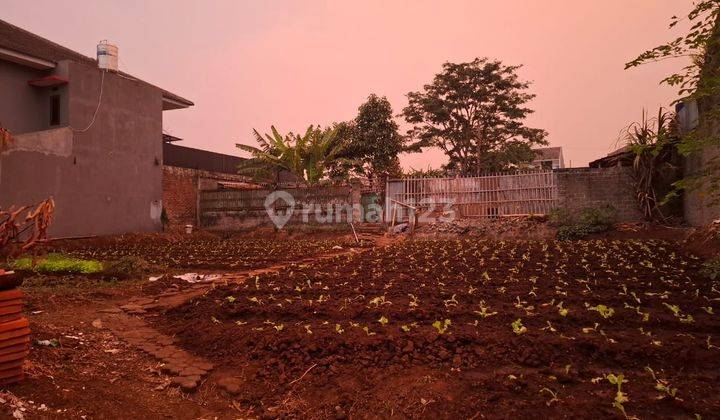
(109, 363)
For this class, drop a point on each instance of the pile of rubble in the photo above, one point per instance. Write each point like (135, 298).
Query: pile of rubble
(518, 226)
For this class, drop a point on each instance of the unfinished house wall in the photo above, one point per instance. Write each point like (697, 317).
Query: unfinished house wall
(104, 180)
(592, 187)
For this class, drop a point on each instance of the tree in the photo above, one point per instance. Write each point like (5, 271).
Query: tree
(373, 141)
(308, 157)
(475, 113)
(699, 81)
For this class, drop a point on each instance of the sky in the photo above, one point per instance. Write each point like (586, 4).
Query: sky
(251, 64)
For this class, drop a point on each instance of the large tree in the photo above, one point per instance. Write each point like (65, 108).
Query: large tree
(373, 141)
(475, 112)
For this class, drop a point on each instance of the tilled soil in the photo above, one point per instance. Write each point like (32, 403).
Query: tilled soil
(468, 328)
(199, 251)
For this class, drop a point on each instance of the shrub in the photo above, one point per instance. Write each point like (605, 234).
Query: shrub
(590, 220)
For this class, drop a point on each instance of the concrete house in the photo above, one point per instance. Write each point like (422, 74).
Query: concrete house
(91, 138)
(548, 158)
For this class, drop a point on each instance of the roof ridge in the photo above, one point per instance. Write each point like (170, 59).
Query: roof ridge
(43, 39)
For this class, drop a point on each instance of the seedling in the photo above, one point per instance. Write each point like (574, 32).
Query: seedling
(442, 326)
(604, 311)
(383, 320)
(414, 302)
(380, 300)
(451, 302)
(231, 299)
(548, 327)
(620, 397)
(562, 311)
(553, 396)
(518, 328)
(483, 312)
(338, 329)
(663, 385)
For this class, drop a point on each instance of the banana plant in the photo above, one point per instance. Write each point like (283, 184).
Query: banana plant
(307, 156)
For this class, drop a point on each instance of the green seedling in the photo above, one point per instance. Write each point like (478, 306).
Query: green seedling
(483, 312)
(518, 328)
(662, 385)
(604, 311)
(562, 311)
(620, 397)
(230, 299)
(442, 326)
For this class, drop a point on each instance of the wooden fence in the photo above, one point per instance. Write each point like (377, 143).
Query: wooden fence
(511, 194)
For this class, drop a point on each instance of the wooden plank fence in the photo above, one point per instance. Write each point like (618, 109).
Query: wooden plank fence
(493, 195)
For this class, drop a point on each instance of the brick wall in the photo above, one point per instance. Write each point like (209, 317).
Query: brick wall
(181, 188)
(180, 195)
(591, 187)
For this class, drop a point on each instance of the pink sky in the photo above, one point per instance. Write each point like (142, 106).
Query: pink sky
(250, 64)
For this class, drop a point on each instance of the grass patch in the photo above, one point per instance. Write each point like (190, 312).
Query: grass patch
(57, 264)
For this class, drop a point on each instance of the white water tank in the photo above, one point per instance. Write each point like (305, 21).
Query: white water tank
(107, 56)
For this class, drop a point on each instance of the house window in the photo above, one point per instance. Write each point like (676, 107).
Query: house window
(55, 110)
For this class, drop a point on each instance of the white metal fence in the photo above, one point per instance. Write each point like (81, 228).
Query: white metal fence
(510, 194)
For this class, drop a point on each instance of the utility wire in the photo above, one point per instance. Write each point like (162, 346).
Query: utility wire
(102, 83)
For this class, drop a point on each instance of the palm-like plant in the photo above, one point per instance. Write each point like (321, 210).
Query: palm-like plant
(308, 157)
(652, 143)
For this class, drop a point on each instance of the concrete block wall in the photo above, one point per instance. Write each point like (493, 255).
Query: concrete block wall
(245, 209)
(698, 202)
(181, 191)
(592, 187)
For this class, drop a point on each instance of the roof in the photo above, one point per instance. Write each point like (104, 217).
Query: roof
(548, 153)
(622, 156)
(27, 43)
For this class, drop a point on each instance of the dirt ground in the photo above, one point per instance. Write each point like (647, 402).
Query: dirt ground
(420, 328)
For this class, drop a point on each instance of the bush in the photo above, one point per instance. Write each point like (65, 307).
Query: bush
(57, 264)
(711, 269)
(560, 217)
(590, 220)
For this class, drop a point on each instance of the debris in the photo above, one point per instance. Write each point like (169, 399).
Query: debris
(401, 228)
(156, 278)
(197, 278)
(48, 343)
(97, 323)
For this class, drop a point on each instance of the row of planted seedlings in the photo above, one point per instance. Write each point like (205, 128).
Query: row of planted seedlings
(592, 311)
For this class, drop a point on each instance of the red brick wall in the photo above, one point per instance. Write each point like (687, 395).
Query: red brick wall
(180, 195)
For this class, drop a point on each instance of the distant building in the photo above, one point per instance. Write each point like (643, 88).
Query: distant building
(548, 158)
(89, 137)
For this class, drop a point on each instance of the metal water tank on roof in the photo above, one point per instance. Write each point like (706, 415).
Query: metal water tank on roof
(107, 56)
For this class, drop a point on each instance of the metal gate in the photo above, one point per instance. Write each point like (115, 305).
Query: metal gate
(511, 194)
